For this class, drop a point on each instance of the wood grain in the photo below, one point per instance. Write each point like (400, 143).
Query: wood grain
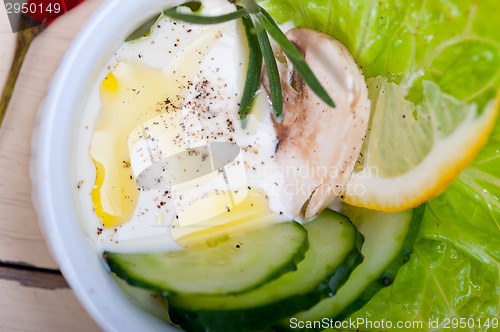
(34, 295)
(20, 237)
(30, 309)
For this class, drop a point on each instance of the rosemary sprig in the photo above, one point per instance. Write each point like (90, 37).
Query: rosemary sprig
(199, 19)
(272, 74)
(260, 47)
(254, 70)
(294, 55)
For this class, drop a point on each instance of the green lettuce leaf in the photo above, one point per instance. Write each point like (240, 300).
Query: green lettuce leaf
(440, 280)
(453, 43)
(454, 271)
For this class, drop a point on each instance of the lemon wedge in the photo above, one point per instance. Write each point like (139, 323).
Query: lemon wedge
(412, 153)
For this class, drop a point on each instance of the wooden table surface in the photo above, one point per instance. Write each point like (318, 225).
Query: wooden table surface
(33, 294)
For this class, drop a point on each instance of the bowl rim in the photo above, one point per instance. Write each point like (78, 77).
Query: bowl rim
(50, 162)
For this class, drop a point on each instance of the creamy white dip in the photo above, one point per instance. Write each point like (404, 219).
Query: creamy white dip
(213, 60)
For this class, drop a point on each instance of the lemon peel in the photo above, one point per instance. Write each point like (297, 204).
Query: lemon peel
(446, 159)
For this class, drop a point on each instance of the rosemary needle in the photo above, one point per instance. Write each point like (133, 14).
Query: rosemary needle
(272, 74)
(198, 19)
(254, 70)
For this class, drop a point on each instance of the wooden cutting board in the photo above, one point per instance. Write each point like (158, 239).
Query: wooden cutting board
(34, 295)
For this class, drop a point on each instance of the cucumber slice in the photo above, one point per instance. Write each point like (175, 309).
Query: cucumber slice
(233, 265)
(389, 239)
(333, 253)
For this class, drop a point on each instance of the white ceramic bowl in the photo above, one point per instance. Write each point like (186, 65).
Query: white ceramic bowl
(80, 264)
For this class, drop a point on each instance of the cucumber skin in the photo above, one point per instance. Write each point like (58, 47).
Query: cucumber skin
(289, 266)
(116, 268)
(264, 316)
(385, 279)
